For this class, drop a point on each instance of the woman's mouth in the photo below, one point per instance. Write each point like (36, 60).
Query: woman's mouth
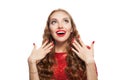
(60, 33)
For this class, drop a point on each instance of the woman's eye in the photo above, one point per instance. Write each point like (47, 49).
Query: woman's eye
(53, 22)
(67, 21)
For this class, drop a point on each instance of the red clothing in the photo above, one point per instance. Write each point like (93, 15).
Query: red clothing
(59, 67)
(59, 72)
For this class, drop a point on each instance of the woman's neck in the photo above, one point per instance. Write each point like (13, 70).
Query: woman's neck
(60, 47)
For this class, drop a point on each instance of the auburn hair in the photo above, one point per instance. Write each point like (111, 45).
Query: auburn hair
(76, 69)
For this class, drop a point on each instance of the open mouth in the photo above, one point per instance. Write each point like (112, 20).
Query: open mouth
(60, 33)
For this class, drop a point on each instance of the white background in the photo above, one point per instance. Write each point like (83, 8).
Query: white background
(22, 22)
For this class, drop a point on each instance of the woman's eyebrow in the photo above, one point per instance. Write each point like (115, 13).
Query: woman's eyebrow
(53, 19)
(67, 18)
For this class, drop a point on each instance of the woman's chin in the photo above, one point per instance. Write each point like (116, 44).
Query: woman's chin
(61, 40)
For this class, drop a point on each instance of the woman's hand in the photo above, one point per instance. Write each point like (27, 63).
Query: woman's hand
(40, 53)
(86, 53)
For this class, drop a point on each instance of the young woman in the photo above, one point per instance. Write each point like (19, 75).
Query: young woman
(62, 55)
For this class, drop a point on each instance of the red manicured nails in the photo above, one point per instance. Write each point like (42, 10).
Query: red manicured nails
(78, 36)
(33, 43)
(93, 42)
(72, 40)
(88, 47)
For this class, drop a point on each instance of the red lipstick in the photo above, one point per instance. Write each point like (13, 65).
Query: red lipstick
(60, 33)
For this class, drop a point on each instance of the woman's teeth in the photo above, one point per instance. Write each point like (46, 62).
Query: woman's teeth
(60, 33)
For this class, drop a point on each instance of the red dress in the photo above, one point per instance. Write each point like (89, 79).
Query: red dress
(59, 67)
(59, 72)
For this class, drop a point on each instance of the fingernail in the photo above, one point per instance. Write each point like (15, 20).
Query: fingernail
(50, 49)
(33, 43)
(46, 40)
(93, 42)
(52, 43)
(78, 36)
(88, 47)
(72, 40)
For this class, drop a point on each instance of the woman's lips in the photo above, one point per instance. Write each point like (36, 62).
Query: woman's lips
(60, 33)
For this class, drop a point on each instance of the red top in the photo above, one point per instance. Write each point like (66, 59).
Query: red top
(59, 67)
(59, 72)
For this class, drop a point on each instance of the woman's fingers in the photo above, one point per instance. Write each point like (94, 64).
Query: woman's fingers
(86, 53)
(44, 44)
(92, 47)
(49, 49)
(79, 54)
(34, 45)
(49, 46)
(74, 50)
(34, 48)
(82, 43)
(76, 45)
(39, 53)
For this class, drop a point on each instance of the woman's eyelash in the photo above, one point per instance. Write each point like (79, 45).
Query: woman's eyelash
(52, 22)
(66, 21)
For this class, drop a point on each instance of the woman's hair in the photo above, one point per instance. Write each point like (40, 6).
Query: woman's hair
(76, 69)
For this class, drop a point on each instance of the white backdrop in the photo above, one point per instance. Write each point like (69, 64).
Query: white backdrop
(22, 22)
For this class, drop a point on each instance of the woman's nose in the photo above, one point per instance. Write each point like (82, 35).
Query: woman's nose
(60, 25)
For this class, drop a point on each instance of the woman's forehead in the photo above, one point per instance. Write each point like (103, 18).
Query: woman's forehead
(59, 14)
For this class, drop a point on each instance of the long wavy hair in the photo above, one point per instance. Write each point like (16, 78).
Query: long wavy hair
(76, 69)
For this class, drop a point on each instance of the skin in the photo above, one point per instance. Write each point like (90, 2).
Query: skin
(60, 20)
(35, 57)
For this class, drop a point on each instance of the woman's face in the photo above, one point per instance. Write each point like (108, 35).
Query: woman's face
(60, 26)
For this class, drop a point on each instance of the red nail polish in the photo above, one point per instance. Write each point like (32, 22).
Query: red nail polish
(78, 36)
(51, 49)
(72, 40)
(88, 47)
(46, 40)
(33, 43)
(52, 44)
(93, 42)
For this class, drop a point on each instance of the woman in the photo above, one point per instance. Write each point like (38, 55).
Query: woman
(62, 55)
